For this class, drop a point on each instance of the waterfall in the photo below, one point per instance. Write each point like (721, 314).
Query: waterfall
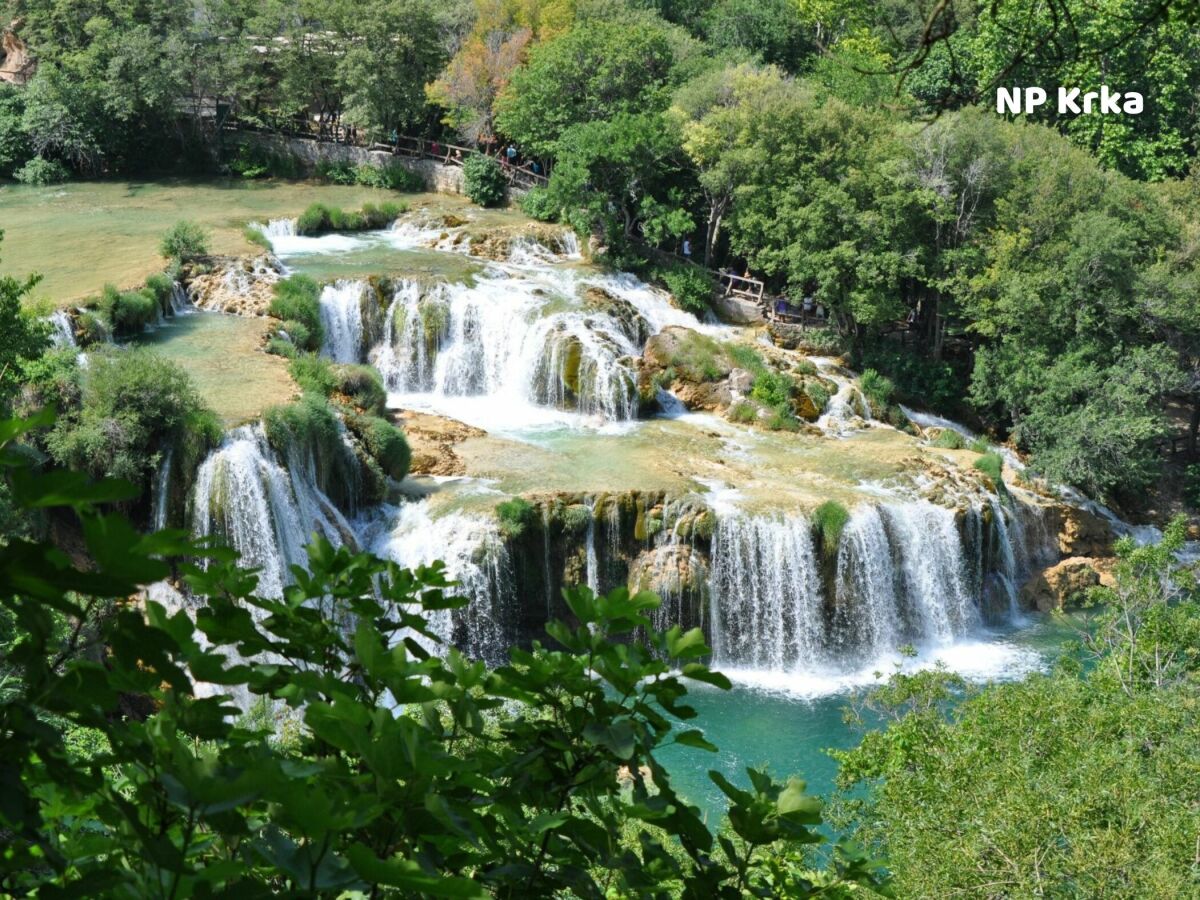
(505, 339)
(868, 620)
(475, 557)
(847, 410)
(265, 512)
(592, 559)
(276, 228)
(162, 490)
(1007, 571)
(62, 331)
(766, 593)
(932, 569)
(180, 304)
(342, 321)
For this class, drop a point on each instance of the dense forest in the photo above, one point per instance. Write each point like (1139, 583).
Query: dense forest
(1037, 277)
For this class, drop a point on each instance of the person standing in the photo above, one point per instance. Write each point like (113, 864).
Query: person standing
(687, 249)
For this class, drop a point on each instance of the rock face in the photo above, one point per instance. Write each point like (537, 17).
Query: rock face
(737, 310)
(692, 366)
(17, 65)
(1065, 583)
(1082, 533)
(432, 440)
(238, 286)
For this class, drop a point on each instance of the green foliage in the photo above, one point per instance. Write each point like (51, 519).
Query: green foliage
(515, 516)
(314, 374)
(691, 286)
(184, 240)
(253, 160)
(255, 236)
(187, 795)
(697, 357)
(307, 434)
(128, 313)
(385, 443)
(817, 393)
(991, 464)
(949, 439)
(362, 385)
(133, 407)
(392, 177)
(829, 519)
(774, 389)
(919, 379)
(878, 389)
(484, 180)
(297, 299)
(42, 171)
(1070, 783)
(319, 218)
(14, 143)
(25, 338)
(1191, 485)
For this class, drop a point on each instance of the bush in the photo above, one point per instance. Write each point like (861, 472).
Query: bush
(829, 520)
(314, 374)
(42, 171)
(539, 204)
(162, 287)
(949, 439)
(254, 236)
(484, 180)
(255, 161)
(134, 404)
(279, 346)
(336, 171)
(92, 328)
(774, 389)
(387, 445)
(515, 515)
(818, 394)
(699, 358)
(319, 218)
(934, 384)
(363, 386)
(184, 240)
(878, 390)
(691, 286)
(744, 412)
(297, 298)
(128, 313)
(991, 464)
(308, 431)
(392, 177)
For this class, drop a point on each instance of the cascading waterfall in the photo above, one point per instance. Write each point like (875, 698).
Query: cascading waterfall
(162, 490)
(264, 511)
(868, 622)
(342, 321)
(847, 409)
(62, 332)
(475, 557)
(766, 593)
(180, 304)
(502, 338)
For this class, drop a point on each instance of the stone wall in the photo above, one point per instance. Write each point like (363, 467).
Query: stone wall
(440, 178)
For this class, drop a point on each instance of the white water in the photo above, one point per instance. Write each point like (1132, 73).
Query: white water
(847, 411)
(162, 490)
(475, 557)
(264, 511)
(63, 332)
(342, 320)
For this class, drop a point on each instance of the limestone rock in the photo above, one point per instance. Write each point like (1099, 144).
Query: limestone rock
(672, 570)
(1082, 533)
(240, 286)
(737, 310)
(1065, 583)
(17, 64)
(432, 440)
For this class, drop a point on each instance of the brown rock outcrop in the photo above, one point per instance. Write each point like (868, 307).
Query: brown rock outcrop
(17, 65)
(1065, 583)
(240, 286)
(432, 440)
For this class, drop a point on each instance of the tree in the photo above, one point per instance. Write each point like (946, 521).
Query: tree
(475, 77)
(25, 339)
(394, 769)
(1070, 783)
(586, 75)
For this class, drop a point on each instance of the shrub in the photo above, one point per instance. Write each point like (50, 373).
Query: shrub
(254, 236)
(184, 240)
(255, 161)
(91, 329)
(743, 411)
(42, 171)
(133, 405)
(818, 394)
(484, 180)
(949, 439)
(774, 389)
(386, 444)
(162, 287)
(746, 358)
(128, 313)
(935, 384)
(691, 286)
(319, 218)
(878, 390)
(829, 519)
(699, 358)
(393, 177)
(279, 346)
(314, 220)
(980, 445)
(336, 171)
(363, 386)
(297, 298)
(539, 204)
(515, 515)
(991, 464)
(314, 374)
(309, 430)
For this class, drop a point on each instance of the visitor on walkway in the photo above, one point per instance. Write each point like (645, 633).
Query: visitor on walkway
(687, 249)
(511, 153)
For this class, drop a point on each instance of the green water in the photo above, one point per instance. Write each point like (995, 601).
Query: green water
(789, 734)
(224, 358)
(112, 228)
